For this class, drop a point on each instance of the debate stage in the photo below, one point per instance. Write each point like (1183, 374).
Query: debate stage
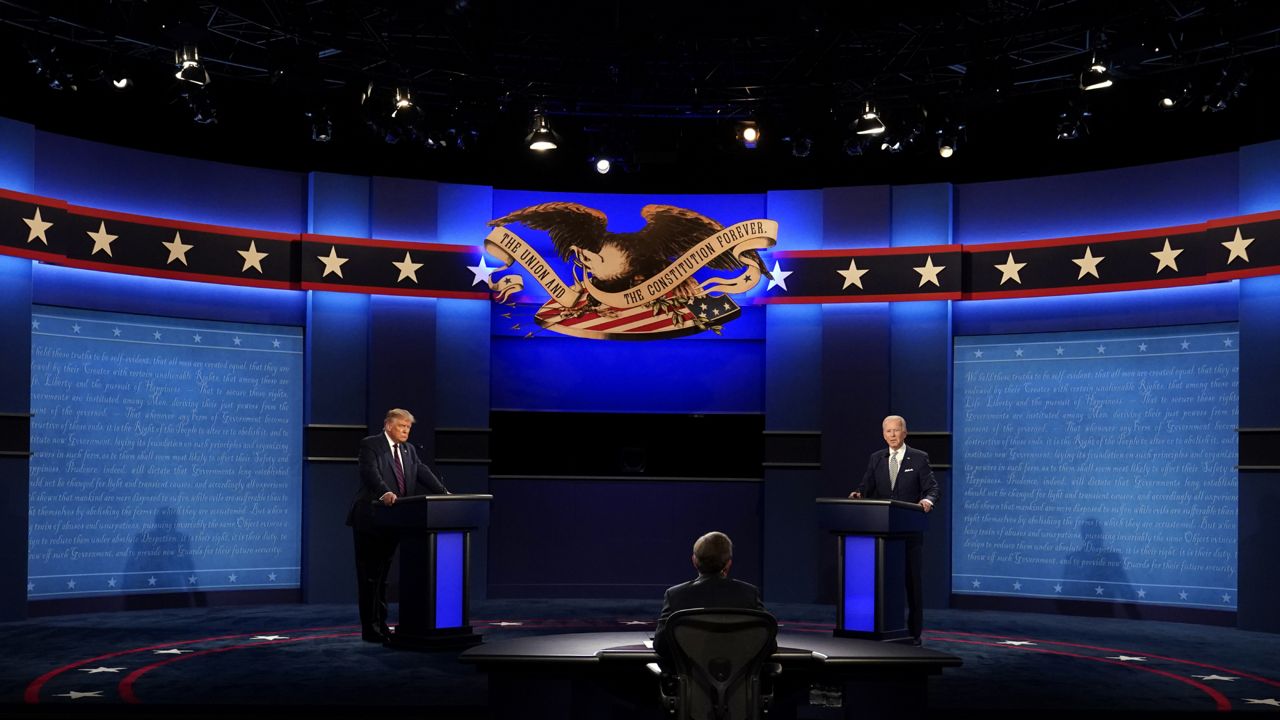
(268, 660)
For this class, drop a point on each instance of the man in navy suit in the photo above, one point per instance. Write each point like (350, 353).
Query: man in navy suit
(713, 588)
(902, 473)
(389, 469)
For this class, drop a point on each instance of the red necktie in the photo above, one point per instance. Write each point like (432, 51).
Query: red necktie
(398, 466)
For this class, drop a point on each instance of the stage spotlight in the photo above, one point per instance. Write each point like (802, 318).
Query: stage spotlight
(869, 123)
(749, 134)
(1096, 76)
(541, 137)
(1072, 124)
(404, 102)
(203, 111)
(122, 82)
(947, 146)
(321, 126)
(189, 66)
(801, 147)
(949, 138)
(603, 165)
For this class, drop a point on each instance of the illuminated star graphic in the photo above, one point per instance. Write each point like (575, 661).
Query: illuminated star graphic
(1219, 678)
(1102, 349)
(332, 263)
(35, 324)
(75, 328)
(1088, 264)
(252, 258)
(1227, 342)
(1267, 701)
(1016, 643)
(1057, 587)
(1182, 595)
(977, 583)
(977, 353)
(232, 577)
(38, 226)
(71, 584)
(76, 695)
(95, 671)
(636, 622)
(235, 340)
(1168, 257)
(1226, 597)
(481, 272)
(408, 268)
(1098, 590)
(177, 249)
(151, 581)
(115, 332)
(171, 651)
(196, 338)
(275, 343)
(1018, 352)
(1017, 586)
(929, 272)
(111, 582)
(1127, 658)
(852, 276)
(1142, 592)
(779, 278)
(1237, 247)
(101, 239)
(271, 577)
(1142, 347)
(156, 334)
(505, 623)
(1186, 344)
(269, 637)
(1009, 270)
(191, 580)
(1060, 350)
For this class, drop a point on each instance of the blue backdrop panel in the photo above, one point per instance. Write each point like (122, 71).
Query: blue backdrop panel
(168, 455)
(1098, 465)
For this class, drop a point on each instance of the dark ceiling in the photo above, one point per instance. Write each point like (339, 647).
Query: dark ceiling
(660, 87)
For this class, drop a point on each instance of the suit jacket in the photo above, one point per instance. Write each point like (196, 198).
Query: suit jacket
(915, 478)
(378, 477)
(707, 591)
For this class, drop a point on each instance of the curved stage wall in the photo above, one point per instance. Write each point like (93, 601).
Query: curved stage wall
(817, 365)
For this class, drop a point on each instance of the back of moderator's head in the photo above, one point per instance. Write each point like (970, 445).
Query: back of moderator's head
(713, 552)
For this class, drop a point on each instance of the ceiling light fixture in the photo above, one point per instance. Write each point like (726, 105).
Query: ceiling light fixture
(189, 66)
(869, 123)
(1096, 76)
(541, 137)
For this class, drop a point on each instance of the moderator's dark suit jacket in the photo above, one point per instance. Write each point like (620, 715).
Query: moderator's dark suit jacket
(377, 478)
(915, 478)
(707, 591)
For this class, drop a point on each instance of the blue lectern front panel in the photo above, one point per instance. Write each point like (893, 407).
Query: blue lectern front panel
(859, 583)
(450, 578)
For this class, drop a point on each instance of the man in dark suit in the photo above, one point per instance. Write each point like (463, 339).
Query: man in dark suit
(389, 469)
(713, 588)
(902, 473)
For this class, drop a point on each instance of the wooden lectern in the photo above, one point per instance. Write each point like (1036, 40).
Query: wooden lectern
(435, 550)
(871, 565)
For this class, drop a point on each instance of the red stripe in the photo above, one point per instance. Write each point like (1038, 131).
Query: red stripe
(33, 199)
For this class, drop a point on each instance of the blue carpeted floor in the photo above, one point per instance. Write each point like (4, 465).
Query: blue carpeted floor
(285, 659)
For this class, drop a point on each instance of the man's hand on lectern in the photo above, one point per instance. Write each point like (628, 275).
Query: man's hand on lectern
(388, 499)
(855, 495)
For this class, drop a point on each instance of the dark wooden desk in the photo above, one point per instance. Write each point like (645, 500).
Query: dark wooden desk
(582, 675)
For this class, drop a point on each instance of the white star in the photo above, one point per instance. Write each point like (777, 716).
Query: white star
(75, 328)
(156, 334)
(504, 623)
(1059, 349)
(1227, 342)
(1221, 678)
(1168, 257)
(151, 581)
(1142, 347)
(115, 332)
(779, 278)
(1009, 270)
(191, 579)
(37, 226)
(95, 671)
(929, 272)
(1186, 344)
(111, 582)
(31, 587)
(852, 276)
(1017, 586)
(1097, 590)
(177, 249)
(1102, 349)
(1142, 593)
(235, 340)
(271, 577)
(35, 324)
(275, 343)
(1182, 595)
(196, 338)
(232, 577)
(1016, 643)
(637, 622)
(332, 263)
(1127, 658)
(71, 584)
(1226, 597)
(1267, 701)
(977, 583)
(1057, 587)
(977, 353)
(480, 272)
(269, 637)
(1237, 247)
(408, 268)
(76, 695)
(102, 239)
(171, 651)
(1088, 264)
(252, 258)
(1018, 352)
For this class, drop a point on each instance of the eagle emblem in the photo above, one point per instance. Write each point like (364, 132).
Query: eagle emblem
(645, 284)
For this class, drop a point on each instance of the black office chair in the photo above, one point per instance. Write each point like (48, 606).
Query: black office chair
(719, 669)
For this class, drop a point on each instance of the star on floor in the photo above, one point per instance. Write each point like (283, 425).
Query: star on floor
(480, 273)
(637, 622)
(177, 249)
(101, 239)
(1010, 269)
(1265, 701)
(95, 671)
(332, 263)
(252, 258)
(269, 637)
(504, 623)
(779, 278)
(929, 272)
(1089, 263)
(1237, 247)
(1218, 678)
(1016, 643)
(38, 226)
(1168, 257)
(1127, 658)
(171, 651)
(852, 276)
(76, 695)
(408, 268)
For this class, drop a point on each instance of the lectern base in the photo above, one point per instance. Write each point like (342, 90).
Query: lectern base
(451, 639)
(880, 635)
